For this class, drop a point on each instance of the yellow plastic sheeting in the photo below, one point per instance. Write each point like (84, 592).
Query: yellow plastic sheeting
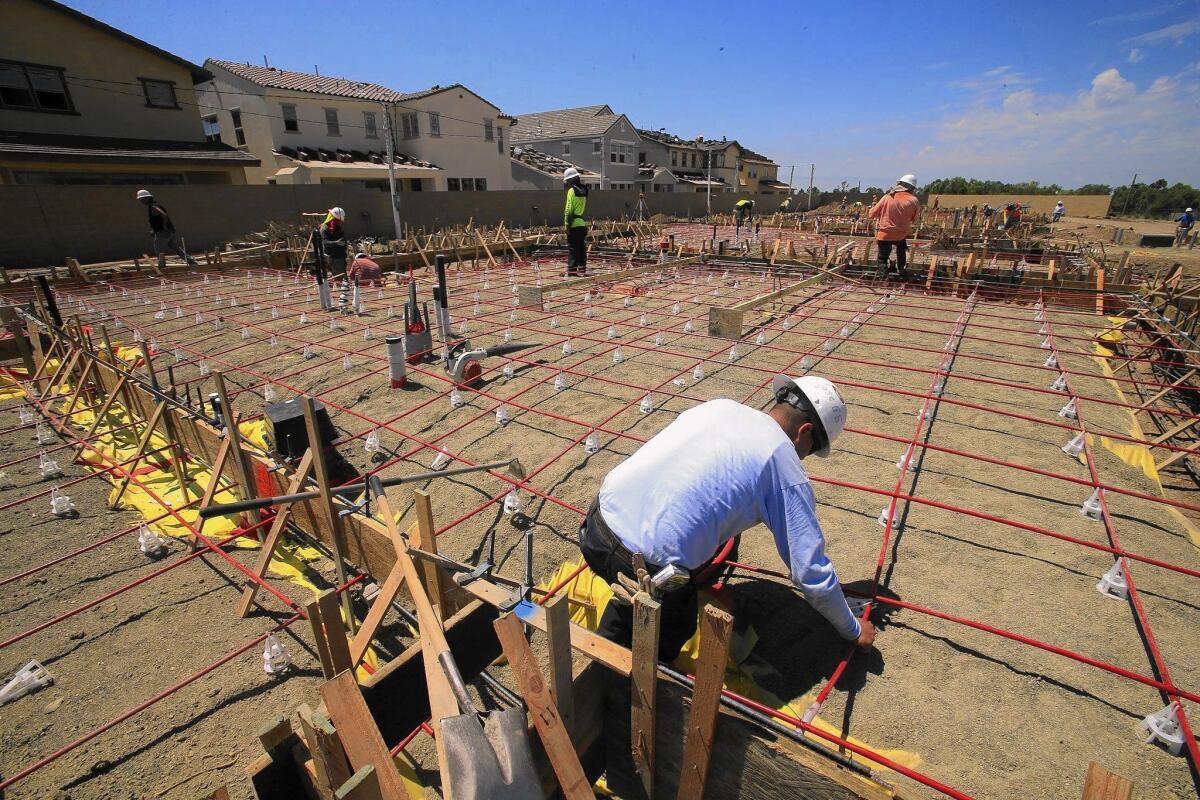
(1136, 455)
(10, 388)
(739, 677)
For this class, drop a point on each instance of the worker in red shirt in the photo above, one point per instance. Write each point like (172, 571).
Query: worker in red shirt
(365, 270)
(896, 212)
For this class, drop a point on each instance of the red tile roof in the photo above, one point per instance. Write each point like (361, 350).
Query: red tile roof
(275, 78)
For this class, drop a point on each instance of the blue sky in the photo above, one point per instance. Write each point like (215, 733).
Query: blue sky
(1063, 92)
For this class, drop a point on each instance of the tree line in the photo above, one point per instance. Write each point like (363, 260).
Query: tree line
(1154, 199)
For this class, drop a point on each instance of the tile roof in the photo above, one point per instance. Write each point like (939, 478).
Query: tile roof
(750, 155)
(564, 123)
(321, 155)
(677, 141)
(275, 78)
(546, 163)
(63, 147)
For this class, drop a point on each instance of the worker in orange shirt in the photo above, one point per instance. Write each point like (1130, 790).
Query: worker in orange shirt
(896, 212)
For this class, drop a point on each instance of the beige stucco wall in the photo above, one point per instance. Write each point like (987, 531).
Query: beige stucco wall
(461, 151)
(36, 34)
(1078, 205)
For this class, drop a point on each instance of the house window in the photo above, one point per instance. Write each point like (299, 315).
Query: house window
(415, 184)
(641, 157)
(290, 122)
(566, 148)
(33, 88)
(239, 135)
(212, 129)
(481, 184)
(596, 144)
(159, 94)
(331, 123)
(488, 134)
(468, 184)
(451, 184)
(408, 125)
(693, 160)
(674, 158)
(369, 125)
(435, 124)
(500, 140)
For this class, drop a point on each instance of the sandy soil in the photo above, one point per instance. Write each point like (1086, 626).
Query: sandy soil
(987, 715)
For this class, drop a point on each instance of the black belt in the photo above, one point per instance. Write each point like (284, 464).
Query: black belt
(608, 539)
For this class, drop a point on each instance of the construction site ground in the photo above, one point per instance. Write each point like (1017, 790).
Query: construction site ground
(988, 715)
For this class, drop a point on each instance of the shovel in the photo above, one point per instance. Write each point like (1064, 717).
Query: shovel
(484, 760)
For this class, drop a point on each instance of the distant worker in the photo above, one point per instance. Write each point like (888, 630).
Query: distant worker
(1183, 226)
(745, 212)
(896, 212)
(937, 201)
(575, 222)
(987, 215)
(162, 230)
(1010, 217)
(786, 205)
(365, 270)
(719, 469)
(333, 240)
(1059, 210)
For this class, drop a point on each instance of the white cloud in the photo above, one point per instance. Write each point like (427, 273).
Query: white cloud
(1176, 33)
(1135, 16)
(1136, 55)
(995, 79)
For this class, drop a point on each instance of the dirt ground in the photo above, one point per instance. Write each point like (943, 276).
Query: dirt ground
(985, 714)
(1145, 260)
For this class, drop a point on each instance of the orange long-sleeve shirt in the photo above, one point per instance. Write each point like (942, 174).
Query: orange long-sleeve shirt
(896, 214)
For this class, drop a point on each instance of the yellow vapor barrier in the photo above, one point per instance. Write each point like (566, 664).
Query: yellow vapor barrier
(157, 479)
(1135, 455)
(739, 675)
(9, 388)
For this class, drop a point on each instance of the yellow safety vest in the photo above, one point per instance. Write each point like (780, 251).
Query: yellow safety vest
(573, 213)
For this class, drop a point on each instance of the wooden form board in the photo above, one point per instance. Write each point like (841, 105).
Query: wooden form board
(532, 296)
(727, 322)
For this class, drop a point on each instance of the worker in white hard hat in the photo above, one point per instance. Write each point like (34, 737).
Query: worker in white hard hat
(575, 222)
(1183, 226)
(333, 240)
(719, 469)
(162, 230)
(896, 213)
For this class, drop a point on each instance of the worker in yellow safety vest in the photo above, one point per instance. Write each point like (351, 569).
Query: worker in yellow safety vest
(745, 211)
(575, 222)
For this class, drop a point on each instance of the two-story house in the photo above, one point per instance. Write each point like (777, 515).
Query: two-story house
(308, 128)
(693, 165)
(593, 138)
(84, 103)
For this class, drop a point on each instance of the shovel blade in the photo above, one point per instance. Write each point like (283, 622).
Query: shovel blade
(490, 761)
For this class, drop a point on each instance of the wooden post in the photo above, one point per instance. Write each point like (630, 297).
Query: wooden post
(362, 785)
(359, 734)
(716, 626)
(313, 611)
(933, 260)
(558, 640)
(379, 608)
(321, 470)
(646, 613)
(1100, 290)
(426, 540)
(329, 760)
(245, 480)
(34, 332)
(335, 631)
(557, 743)
(10, 320)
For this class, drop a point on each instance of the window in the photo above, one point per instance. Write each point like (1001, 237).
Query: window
(32, 88)
(415, 184)
(674, 158)
(596, 147)
(500, 140)
(468, 185)
(566, 148)
(481, 184)
(369, 124)
(620, 153)
(488, 131)
(239, 135)
(641, 157)
(408, 126)
(159, 94)
(435, 124)
(332, 128)
(212, 129)
(290, 123)
(451, 184)
(693, 160)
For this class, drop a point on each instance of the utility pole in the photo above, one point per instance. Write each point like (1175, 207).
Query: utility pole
(812, 170)
(1129, 194)
(387, 130)
(708, 151)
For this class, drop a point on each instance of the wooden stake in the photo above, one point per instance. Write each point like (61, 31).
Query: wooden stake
(360, 735)
(646, 619)
(211, 490)
(335, 631)
(246, 484)
(426, 539)
(329, 760)
(267, 551)
(313, 611)
(362, 785)
(558, 640)
(557, 743)
(716, 626)
(1101, 784)
(336, 536)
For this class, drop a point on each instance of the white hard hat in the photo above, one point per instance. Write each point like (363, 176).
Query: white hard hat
(819, 398)
(338, 212)
(908, 180)
(570, 173)
(360, 254)
(1188, 209)
(143, 194)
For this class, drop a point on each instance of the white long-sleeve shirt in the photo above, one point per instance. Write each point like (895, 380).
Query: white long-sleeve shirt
(720, 469)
